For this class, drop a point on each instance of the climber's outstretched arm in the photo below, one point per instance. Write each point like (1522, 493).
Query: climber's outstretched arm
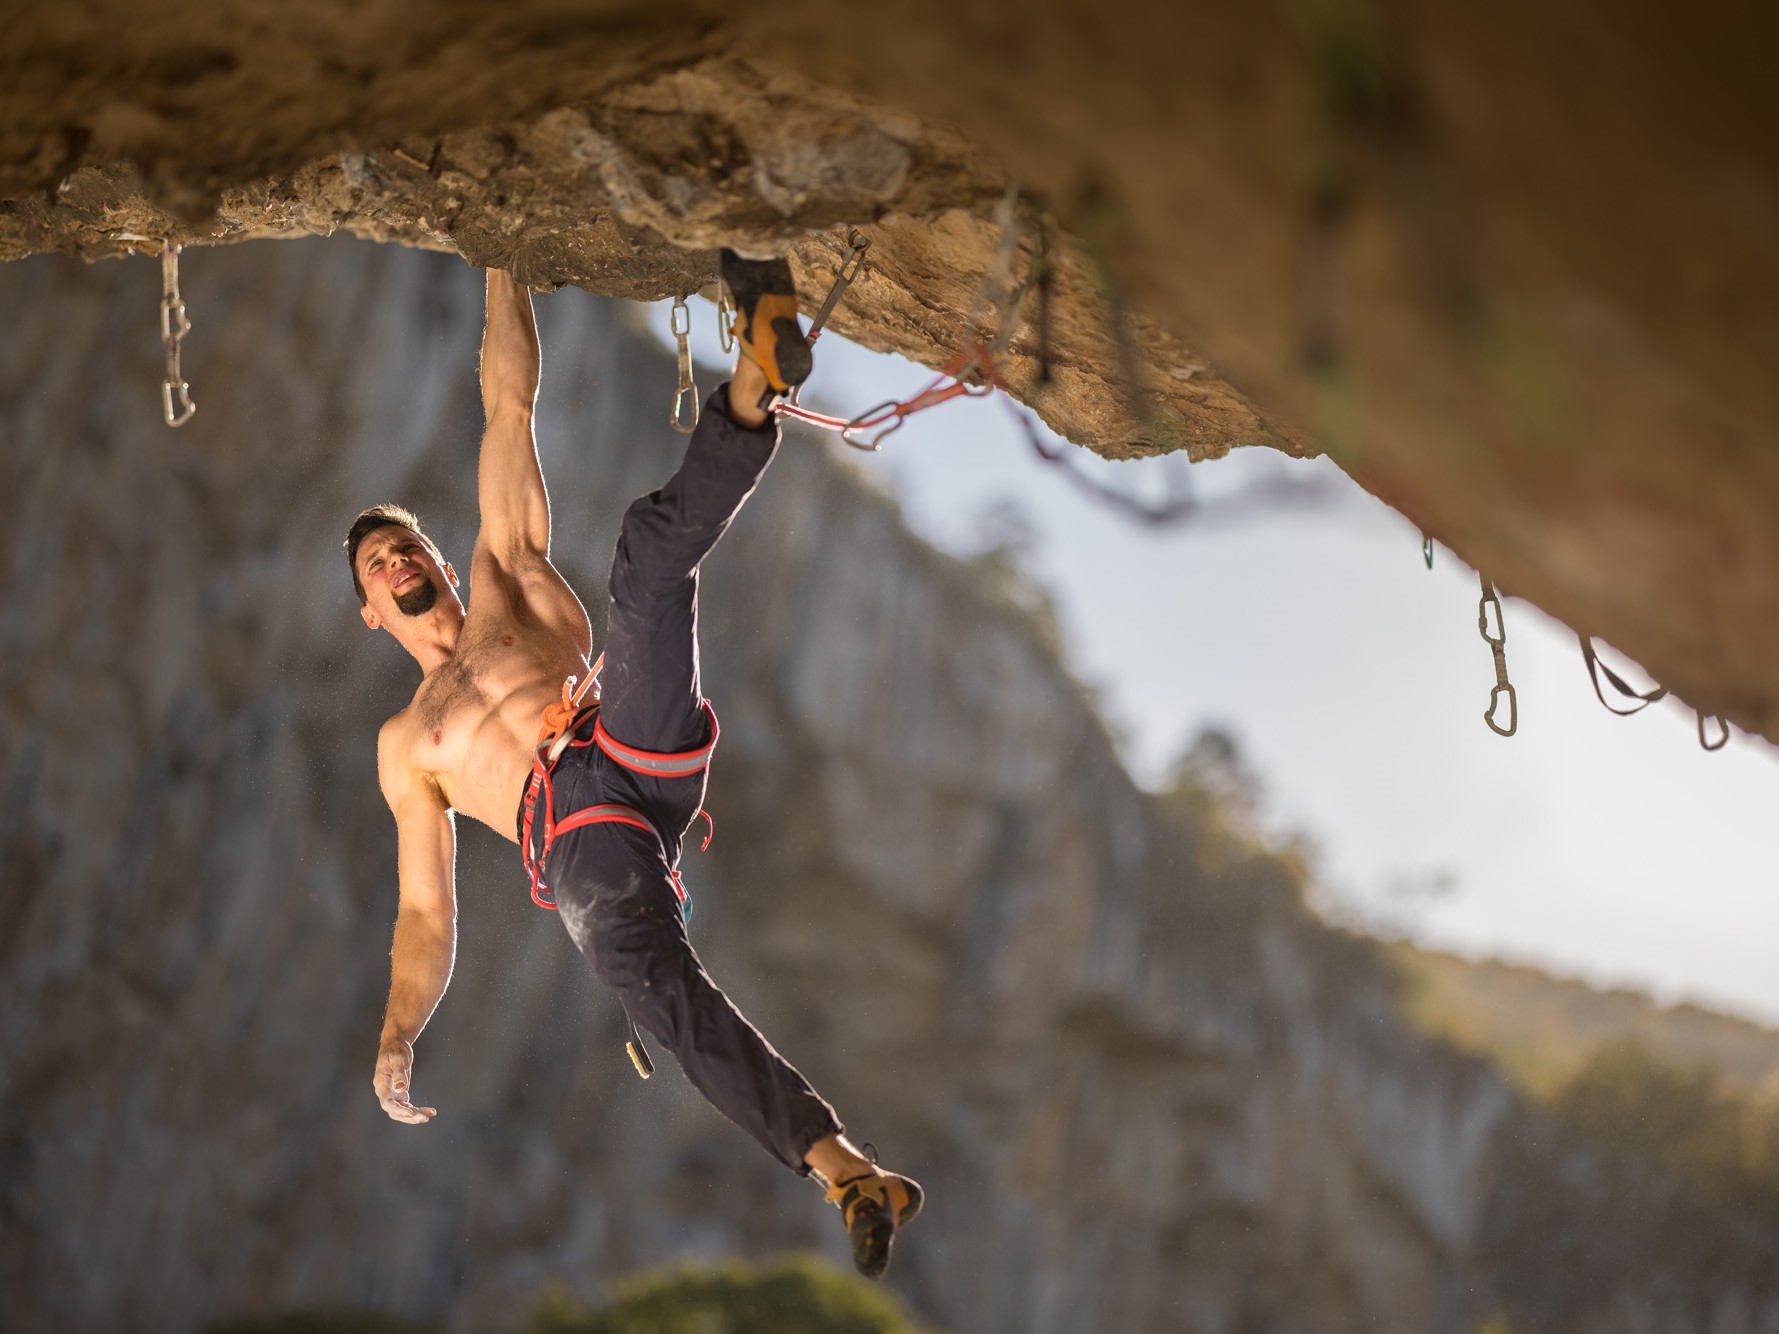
(425, 925)
(515, 507)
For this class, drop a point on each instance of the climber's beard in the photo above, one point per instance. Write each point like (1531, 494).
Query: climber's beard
(418, 600)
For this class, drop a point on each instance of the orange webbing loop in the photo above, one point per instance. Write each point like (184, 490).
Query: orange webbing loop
(557, 717)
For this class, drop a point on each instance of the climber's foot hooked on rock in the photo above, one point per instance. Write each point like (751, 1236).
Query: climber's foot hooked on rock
(875, 1205)
(766, 326)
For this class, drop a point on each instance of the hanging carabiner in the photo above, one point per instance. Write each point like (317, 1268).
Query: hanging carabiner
(1721, 741)
(852, 264)
(1497, 643)
(726, 317)
(174, 327)
(1643, 698)
(681, 324)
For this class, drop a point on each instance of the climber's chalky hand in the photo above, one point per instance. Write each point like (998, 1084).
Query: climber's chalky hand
(395, 1067)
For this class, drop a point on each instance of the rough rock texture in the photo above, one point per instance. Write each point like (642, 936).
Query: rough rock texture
(1513, 267)
(1146, 1090)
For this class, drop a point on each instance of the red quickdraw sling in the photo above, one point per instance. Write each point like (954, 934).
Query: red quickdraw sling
(561, 722)
(887, 417)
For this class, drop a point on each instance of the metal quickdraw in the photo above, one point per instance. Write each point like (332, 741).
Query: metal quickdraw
(852, 264)
(174, 327)
(886, 418)
(998, 288)
(688, 388)
(1644, 698)
(1498, 646)
(1722, 740)
(1042, 277)
(726, 317)
(975, 373)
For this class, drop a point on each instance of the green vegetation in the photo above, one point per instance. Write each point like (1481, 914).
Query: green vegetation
(1682, 1089)
(797, 1295)
(1542, 1030)
(319, 1320)
(1213, 798)
(1722, 1143)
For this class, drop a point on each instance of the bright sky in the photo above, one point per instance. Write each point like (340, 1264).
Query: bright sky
(1354, 680)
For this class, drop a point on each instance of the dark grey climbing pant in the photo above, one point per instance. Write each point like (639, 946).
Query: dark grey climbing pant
(613, 883)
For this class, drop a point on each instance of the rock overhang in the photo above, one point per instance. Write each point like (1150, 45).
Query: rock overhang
(1539, 325)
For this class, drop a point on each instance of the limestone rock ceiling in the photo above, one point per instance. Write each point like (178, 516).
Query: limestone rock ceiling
(1517, 273)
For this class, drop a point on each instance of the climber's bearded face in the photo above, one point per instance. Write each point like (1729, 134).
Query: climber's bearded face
(402, 578)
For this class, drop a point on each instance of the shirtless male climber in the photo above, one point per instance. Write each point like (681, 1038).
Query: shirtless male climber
(601, 786)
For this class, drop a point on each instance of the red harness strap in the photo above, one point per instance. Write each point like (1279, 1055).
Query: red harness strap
(560, 723)
(677, 764)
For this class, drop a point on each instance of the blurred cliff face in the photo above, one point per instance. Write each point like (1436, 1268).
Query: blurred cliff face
(1145, 1090)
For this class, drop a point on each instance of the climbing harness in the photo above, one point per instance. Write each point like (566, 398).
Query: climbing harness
(561, 724)
(174, 327)
(688, 388)
(1498, 646)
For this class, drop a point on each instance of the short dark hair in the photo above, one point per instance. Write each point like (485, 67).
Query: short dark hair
(382, 516)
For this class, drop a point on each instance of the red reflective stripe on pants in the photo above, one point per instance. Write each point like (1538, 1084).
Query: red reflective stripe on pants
(660, 764)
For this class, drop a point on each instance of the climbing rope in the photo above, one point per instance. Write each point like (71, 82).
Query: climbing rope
(1497, 643)
(174, 327)
(688, 388)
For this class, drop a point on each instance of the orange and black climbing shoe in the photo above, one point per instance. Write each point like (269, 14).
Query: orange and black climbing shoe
(766, 319)
(875, 1206)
